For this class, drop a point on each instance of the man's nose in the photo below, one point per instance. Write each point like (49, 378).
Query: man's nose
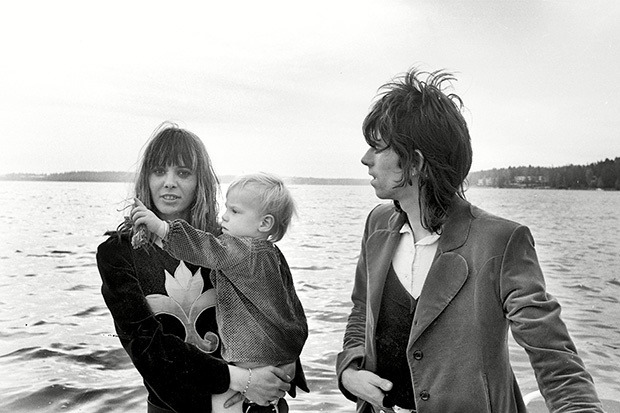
(367, 158)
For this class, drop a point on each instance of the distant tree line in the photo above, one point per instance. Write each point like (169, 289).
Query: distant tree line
(76, 176)
(111, 176)
(604, 175)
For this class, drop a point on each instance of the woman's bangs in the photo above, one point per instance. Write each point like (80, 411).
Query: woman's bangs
(174, 151)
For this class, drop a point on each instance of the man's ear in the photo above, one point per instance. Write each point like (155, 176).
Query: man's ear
(419, 161)
(418, 165)
(266, 224)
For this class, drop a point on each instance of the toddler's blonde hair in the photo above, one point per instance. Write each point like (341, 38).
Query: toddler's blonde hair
(274, 198)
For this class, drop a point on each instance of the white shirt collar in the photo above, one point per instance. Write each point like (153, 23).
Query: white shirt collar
(428, 240)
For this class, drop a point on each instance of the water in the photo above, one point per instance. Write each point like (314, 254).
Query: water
(58, 352)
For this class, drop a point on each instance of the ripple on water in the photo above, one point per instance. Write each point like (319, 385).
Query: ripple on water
(89, 311)
(56, 397)
(583, 287)
(312, 268)
(81, 287)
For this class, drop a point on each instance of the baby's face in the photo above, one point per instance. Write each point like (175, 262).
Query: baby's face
(242, 217)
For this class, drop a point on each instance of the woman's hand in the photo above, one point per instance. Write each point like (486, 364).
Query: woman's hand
(266, 384)
(365, 385)
(141, 215)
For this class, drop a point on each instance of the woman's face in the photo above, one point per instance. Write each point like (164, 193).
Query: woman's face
(173, 190)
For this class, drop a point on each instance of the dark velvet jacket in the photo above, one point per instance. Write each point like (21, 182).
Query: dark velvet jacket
(164, 315)
(485, 279)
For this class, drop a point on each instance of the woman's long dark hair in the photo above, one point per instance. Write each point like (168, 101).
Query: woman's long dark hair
(414, 114)
(170, 145)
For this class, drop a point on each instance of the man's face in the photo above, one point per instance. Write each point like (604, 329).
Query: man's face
(383, 166)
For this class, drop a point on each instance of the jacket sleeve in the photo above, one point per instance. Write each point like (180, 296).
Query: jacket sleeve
(202, 248)
(355, 333)
(177, 372)
(536, 325)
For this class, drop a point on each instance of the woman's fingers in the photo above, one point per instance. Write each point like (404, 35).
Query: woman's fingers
(234, 400)
(282, 375)
(268, 383)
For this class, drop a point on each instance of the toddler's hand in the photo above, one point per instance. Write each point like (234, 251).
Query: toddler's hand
(141, 215)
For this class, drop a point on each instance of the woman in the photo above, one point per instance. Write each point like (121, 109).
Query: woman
(164, 309)
(439, 282)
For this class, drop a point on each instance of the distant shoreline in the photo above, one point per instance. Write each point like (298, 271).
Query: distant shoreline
(110, 176)
(603, 175)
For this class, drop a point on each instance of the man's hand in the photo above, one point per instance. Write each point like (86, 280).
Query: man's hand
(365, 385)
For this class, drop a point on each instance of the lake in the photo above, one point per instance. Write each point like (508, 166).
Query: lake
(58, 351)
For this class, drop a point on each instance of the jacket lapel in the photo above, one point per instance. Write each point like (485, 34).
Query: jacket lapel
(380, 248)
(448, 272)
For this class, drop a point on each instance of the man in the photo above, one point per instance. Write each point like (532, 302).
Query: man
(439, 281)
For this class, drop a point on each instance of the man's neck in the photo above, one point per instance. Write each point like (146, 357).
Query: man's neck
(411, 207)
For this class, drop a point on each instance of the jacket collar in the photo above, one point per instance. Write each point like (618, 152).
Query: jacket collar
(455, 229)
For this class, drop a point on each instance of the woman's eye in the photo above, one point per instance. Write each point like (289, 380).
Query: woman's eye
(159, 171)
(184, 173)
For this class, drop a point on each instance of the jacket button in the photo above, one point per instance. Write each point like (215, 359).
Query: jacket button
(417, 355)
(424, 395)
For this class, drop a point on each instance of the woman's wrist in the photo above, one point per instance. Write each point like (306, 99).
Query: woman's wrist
(240, 379)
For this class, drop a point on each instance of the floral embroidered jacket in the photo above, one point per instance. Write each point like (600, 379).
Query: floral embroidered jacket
(164, 315)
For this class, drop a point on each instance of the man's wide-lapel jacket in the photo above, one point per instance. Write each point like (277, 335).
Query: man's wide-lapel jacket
(484, 279)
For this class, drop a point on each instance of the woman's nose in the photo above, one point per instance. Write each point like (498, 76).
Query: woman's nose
(169, 180)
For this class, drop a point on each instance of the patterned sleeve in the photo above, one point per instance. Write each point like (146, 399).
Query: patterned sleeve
(189, 244)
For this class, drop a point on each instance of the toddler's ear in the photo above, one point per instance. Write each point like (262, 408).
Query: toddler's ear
(266, 224)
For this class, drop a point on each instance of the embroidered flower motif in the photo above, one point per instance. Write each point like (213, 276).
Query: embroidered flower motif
(186, 301)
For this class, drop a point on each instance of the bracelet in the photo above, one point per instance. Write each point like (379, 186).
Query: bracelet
(247, 385)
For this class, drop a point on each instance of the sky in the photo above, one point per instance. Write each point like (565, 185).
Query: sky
(283, 86)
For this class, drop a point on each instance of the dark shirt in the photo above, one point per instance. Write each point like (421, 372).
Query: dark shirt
(393, 328)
